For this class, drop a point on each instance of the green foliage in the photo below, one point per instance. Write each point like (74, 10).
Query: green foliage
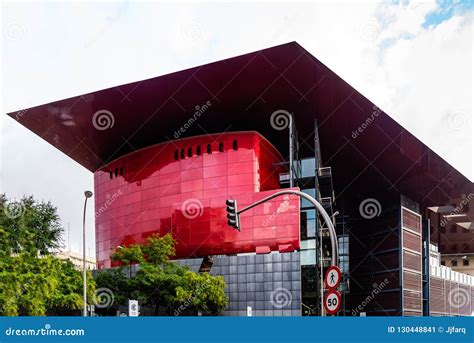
(129, 255)
(32, 281)
(160, 283)
(29, 226)
(32, 285)
(201, 292)
(117, 282)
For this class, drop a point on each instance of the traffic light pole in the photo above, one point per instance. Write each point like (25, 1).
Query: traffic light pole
(319, 207)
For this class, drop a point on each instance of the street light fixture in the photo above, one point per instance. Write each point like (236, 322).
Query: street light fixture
(87, 194)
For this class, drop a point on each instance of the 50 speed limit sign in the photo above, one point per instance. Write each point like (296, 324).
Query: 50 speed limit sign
(332, 302)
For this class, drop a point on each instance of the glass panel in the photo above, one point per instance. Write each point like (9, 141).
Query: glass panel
(309, 244)
(306, 203)
(311, 227)
(308, 167)
(310, 214)
(308, 257)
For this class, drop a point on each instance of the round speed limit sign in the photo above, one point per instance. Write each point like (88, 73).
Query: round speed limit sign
(332, 302)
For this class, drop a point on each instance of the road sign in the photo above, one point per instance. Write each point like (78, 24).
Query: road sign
(332, 301)
(333, 277)
(133, 308)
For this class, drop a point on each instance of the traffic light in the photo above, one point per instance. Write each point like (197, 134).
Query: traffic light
(232, 215)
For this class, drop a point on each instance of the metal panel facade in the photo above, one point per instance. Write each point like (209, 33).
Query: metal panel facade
(411, 263)
(181, 188)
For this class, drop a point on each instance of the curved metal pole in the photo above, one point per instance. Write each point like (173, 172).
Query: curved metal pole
(84, 276)
(290, 146)
(320, 208)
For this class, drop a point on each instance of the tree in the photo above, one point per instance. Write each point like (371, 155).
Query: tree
(162, 284)
(68, 295)
(30, 225)
(117, 282)
(32, 285)
(32, 280)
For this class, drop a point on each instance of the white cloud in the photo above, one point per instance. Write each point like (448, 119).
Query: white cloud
(423, 79)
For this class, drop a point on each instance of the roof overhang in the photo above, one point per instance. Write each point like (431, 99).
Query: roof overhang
(243, 92)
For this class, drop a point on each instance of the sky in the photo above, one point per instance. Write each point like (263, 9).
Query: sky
(412, 59)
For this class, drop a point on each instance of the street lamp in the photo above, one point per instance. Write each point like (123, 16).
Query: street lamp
(87, 194)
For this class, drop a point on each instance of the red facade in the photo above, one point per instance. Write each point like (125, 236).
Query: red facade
(181, 187)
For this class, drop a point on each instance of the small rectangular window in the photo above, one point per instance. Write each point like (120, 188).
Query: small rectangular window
(454, 263)
(198, 150)
(209, 149)
(182, 154)
(221, 146)
(190, 152)
(465, 262)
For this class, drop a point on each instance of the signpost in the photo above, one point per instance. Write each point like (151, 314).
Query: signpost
(333, 277)
(332, 301)
(233, 216)
(133, 308)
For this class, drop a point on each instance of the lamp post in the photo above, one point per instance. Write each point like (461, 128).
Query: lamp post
(87, 194)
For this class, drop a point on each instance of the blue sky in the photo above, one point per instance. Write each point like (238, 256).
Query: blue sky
(445, 10)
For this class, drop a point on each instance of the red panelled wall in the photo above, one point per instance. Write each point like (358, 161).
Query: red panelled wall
(181, 187)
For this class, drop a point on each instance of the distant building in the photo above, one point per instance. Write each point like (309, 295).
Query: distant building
(76, 259)
(449, 291)
(463, 263)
